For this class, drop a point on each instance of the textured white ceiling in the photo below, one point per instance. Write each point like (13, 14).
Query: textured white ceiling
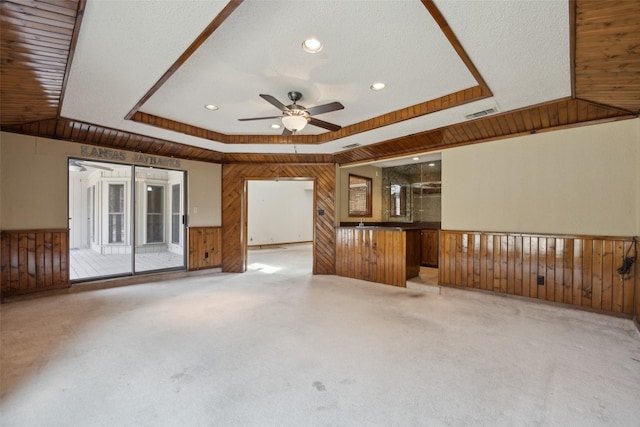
(521, 49)
(259, 50)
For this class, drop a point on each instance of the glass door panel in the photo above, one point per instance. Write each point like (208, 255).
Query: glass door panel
(99, 220)
(159, 210)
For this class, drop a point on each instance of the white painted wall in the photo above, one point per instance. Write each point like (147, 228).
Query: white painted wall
(584, 181)
(280, 212)
(34, 184)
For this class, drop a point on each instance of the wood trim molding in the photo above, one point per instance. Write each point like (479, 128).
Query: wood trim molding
(455, 43)
(572, 45)
(442, 103)
(204, 35)
(234, 215)
(556, 115)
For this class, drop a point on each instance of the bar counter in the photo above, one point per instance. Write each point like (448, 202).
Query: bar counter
(388, 255)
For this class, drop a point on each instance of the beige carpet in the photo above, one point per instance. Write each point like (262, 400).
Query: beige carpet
(278, 347)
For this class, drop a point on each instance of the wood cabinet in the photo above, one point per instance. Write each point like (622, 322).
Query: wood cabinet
(429, 248)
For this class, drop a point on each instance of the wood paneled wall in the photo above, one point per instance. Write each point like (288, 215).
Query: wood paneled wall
(205, 247)
(34, 261)
(378, 255)
(576, 270)
(234, 221)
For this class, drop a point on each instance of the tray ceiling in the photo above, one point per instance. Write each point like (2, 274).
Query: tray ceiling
(137, 74)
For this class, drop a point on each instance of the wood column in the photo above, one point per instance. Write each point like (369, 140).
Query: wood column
(234, 215)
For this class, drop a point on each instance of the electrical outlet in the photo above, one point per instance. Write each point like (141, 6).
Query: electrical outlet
(540, 280)
(206, 254)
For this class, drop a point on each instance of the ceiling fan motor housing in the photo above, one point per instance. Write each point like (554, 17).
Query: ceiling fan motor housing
(294, 96)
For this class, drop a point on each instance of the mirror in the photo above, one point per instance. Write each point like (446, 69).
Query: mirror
(397, 200)
(359, 196)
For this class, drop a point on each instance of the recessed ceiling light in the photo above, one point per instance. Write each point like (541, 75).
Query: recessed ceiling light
(416, 158)
(378, 86)
(211, 107)
(432, 164)
(275, 126)
(312, 45)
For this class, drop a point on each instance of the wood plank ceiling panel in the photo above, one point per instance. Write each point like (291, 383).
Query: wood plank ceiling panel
(35, 40)
(607, 66)
(520, 122)
(83, 133)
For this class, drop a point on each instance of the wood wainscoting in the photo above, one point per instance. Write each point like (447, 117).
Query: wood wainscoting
(205, 247)
(34, 261)
(576, 270)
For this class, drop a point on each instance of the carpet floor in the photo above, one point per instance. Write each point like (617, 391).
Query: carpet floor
(277, 346)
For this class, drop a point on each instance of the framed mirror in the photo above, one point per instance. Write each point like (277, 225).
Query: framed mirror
(360, 196)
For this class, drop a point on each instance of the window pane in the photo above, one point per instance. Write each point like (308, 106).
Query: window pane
(154, 199)
(155, 217)
(154, 228)
(116, 213)
(116, 198)
(175, 198)
(175, 214)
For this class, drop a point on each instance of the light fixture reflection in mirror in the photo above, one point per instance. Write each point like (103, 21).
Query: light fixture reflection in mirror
(398, 200)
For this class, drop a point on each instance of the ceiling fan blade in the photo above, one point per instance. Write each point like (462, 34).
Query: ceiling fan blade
(259, 118)
(92, 165)
(286, 132)
(273, 101)
(323, 124)
(325, 108)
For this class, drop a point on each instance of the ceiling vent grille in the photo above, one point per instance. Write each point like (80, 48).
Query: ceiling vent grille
(351, 146)
(481, 113)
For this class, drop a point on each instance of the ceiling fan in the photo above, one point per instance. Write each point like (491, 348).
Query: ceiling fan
(295, 117)
(80, 166)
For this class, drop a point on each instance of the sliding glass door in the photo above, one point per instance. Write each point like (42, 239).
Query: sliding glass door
(124, 219)
(159, 219)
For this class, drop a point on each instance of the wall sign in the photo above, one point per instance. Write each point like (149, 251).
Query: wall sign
(106, 153)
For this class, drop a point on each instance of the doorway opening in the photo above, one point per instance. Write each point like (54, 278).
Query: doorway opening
(280, 224)
(124, 220)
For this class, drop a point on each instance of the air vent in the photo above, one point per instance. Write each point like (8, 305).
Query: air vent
(480, 113)
(351, 146)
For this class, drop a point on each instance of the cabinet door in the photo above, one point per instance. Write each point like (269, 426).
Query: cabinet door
(429, 248)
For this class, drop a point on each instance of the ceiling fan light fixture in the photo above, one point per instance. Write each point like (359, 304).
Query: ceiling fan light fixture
(295, 123)
(312, 45)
